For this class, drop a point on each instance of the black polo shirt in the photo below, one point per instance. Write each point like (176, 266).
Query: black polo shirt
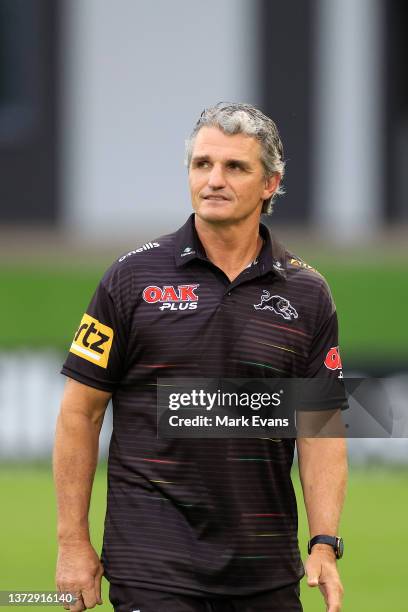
(205, 515)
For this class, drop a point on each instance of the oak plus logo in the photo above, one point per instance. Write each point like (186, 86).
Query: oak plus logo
(93, 341)
(182, 297)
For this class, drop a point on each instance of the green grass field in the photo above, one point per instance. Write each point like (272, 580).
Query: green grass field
(42, 305)
(374, 569)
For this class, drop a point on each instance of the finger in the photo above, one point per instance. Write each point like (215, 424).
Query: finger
(333, 598)
(98, 581)
(79, 605)
(334, 607)
(313, 571)
(64, 604)
(89, 596)
(68, 591)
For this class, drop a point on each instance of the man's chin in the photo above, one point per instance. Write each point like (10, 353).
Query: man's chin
(222, 213)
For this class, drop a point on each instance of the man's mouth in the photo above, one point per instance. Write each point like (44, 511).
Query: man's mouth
(215, 197)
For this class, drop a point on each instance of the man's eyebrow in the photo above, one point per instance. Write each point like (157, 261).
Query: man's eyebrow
(239, 162)
(198, 158)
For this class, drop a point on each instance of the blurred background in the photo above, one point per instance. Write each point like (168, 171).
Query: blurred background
(96, 100)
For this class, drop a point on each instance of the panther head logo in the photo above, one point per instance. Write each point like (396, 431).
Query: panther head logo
(277, 304)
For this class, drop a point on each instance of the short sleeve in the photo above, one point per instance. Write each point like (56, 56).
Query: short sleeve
(325, 388)
(98, 351)
(324, 356)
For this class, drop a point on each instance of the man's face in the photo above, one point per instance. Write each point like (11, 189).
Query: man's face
(226, 177)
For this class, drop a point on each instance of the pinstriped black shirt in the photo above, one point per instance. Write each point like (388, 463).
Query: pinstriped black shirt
(206, 515)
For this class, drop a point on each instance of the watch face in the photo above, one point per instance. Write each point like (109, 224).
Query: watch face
(340, 548)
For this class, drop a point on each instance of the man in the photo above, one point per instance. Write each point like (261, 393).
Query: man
(200, 525)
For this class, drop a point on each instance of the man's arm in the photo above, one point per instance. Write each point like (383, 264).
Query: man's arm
(323, 474)
(75, 458)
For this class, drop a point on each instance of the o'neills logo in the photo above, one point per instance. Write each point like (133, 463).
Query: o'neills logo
(145, 247)
(182, 297)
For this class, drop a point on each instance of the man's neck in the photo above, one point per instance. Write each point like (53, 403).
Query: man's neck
(231, 247)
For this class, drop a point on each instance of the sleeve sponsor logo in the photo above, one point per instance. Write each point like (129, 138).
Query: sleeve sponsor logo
(145, 247)
(93, 341)
(333, 361)
(301, 264)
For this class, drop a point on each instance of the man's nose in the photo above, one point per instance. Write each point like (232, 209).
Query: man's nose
(216, 179)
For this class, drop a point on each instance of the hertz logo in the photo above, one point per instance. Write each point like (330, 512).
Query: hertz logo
(93, 341)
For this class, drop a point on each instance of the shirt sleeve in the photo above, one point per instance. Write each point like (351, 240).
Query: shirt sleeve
(324, 389)
(324, 357)
(98, 351)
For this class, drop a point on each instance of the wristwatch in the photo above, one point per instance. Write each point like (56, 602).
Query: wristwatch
(334, 541)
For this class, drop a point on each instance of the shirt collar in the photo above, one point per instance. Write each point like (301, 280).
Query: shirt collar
(272, 257)
(187, 247)
(187, 244)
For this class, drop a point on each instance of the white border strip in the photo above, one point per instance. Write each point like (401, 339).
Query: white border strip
(80, 349)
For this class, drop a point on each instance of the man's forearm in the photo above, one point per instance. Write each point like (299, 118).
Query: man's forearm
(323, 474)
(75, 460)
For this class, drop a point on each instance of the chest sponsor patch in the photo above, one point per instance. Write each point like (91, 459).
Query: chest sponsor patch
(277, 304)
(93, 341)
(182, 297)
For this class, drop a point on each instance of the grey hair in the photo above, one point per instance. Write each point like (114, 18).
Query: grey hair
(234, 118)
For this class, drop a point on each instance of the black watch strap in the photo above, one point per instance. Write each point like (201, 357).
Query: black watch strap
(334, 541)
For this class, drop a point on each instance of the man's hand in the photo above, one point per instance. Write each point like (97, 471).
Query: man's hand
(79, 571)
(321, 571)
(75, 457)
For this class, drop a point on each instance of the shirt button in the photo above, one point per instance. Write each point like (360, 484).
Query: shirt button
(229, 293)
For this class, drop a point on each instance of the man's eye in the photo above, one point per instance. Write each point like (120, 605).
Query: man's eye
(202, 164)
(234, 166)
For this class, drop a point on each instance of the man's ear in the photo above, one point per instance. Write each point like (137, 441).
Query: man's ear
(271, 185)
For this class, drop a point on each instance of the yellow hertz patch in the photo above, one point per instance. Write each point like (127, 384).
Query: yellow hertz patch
(93, 341)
